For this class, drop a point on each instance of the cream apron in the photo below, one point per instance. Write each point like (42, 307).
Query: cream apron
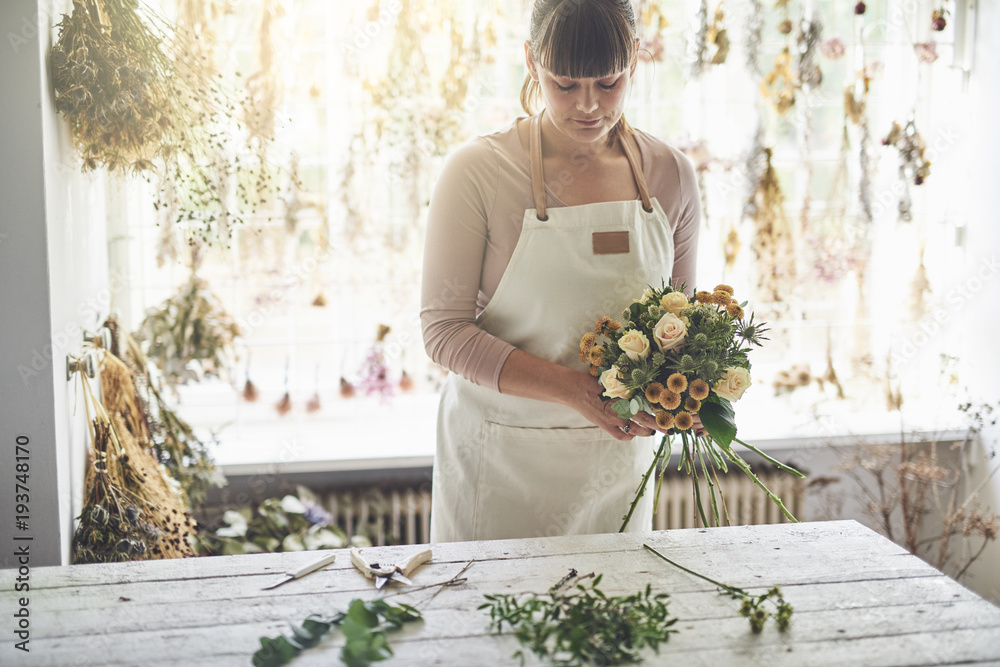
(517, 467)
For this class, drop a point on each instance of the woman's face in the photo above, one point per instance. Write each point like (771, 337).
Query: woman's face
(584, 110)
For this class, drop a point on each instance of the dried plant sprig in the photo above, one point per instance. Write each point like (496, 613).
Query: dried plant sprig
(752, 606)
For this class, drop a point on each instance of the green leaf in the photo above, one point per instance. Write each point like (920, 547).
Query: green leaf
(634, 407)
(719, 420)
(623, 408)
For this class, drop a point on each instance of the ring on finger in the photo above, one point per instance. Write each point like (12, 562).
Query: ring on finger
(628, 427)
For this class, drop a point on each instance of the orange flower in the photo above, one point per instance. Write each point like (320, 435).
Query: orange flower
(725, 288)
(664, 420)
(698, 389)
(653, 392)
(595, 370)
(734, 310)
(597, 355)
(670, 400)
(614, 325)
(677, 383)
(683, 421)
(587, 342)
(692, 404)
(703, 297)
(721, 298)
(602, 324)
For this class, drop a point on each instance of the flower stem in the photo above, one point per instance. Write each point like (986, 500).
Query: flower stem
(642, 485)
(729, 589)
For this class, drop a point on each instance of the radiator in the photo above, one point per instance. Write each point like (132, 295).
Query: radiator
(745, 503)
(401, 515)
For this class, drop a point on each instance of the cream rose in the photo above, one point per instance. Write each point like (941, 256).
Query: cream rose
(634, 344)
(669, 332)
(732, 384)
(674, 302)
(613, 386)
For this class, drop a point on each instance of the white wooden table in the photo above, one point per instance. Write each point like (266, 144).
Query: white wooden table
(859, 600)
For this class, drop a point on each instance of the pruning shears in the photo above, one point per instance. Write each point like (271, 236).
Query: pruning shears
(382, 574)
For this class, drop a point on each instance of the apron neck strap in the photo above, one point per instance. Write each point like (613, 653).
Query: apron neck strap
(538, 179)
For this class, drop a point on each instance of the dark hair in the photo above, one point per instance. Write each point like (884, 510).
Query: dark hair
(581, 39)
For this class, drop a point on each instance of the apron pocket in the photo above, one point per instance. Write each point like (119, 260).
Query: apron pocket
(540, 482)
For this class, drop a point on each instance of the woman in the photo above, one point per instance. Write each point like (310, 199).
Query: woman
(533, 233)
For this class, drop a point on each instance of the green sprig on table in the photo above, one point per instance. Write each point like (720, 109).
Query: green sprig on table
(752, 607)
(582, 625)
(364, 626)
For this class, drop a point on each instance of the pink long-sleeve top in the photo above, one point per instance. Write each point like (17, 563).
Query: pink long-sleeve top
(473, 225)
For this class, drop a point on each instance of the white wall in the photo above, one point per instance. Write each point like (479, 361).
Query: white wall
(53, 283)
(982, 357)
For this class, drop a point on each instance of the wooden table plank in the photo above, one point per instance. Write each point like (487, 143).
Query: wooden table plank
(857, 598)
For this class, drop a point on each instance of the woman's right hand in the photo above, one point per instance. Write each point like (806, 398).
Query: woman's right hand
(586, 399)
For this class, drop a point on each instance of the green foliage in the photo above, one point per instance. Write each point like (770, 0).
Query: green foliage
(719, 419)
(582, 625)
(292, 523)
(364, 626)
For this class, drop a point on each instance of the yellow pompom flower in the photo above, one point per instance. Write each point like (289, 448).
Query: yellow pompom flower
(614, 325)
(586, 343)
(692, 404)
(664, 420)
(724, 288)
(683, 421)
(653, 392)
(602, 324)
(677, 383)
(703, 297)
(721, 298)
(734, 310)
(670, 400)
(597, 355)
(595, 371)
(698, 389)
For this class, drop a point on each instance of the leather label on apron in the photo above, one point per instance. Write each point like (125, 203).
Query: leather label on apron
(610, 243)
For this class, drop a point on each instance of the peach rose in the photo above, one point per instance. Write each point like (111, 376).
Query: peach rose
(732, 384)
(674, 302)
(634, 344)
(669, 332)
(614, 388)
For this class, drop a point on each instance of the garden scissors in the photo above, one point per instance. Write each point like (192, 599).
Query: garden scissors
(382, 574)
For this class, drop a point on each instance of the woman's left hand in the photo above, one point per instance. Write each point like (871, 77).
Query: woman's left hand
(645, 424)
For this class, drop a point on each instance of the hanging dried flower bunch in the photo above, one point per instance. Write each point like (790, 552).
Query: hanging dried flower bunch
(913, 165)
(716, 36)
(264, 86)
(838, 241)
(374, 376)
(773, 245)
(113, 84)
(779, 85)
(653, 23)
(171, 440)
(752, 30)
(131, 507)
(141, 95)
(190, 335)
(807, 43)
(920, 286)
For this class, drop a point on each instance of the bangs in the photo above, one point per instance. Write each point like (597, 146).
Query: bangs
(586, 40)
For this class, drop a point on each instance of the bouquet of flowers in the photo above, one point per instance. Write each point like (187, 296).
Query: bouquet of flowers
(677, 358)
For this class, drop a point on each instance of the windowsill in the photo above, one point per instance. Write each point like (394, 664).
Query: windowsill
(362, 434)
